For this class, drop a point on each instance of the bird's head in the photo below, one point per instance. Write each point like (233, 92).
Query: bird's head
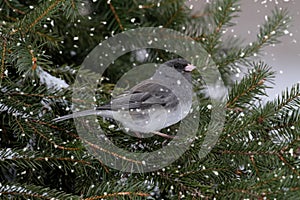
(181, 65)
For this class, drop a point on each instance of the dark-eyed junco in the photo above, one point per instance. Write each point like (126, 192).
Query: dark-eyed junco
(153, 104)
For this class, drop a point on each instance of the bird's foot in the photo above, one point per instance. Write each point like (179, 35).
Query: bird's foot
(162, 135)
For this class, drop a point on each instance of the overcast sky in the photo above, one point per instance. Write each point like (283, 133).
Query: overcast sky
(284, 57)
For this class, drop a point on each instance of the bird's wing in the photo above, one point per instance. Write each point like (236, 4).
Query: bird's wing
(143, 97)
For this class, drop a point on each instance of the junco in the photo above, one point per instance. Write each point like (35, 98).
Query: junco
(153, 104)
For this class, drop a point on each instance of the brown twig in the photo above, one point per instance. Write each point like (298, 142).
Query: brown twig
(119, 194)
(288, 164)
(172, 17)
(94, 146)
(254, 165)
(39, 18)
(52, 142)
(33, 59)
(43, 96)
(21, 127)
(229, 135)
(72, 135)
(202, 170)
(249, 153)
(199, 15)
(112, 8)
(53, 158)
(51, 7)
(230, 103)
(14, 9)
(266, 182)
(111, 153)
(256, 196)
(3, 60)
(64, 159)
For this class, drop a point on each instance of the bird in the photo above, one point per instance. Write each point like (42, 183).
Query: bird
(158, 102)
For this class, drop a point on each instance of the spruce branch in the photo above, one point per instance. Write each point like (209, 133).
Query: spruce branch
(93, 146)
(188, 173)
(32, 191)
(287, 163)
(222, 13)
(52, 40)
(34, 17)
(269, 33)
(43, 14)
(12, 110)
(32, 56)
(96, 147)
(250, 87)
(28, 160)
(47, 139)
(274, 27)
(267, 188)
(288, 98)
(256, 157)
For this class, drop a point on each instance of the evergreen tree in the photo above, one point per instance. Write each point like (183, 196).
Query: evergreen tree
(256, 156)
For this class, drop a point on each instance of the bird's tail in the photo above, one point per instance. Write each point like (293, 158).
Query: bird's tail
(80, 114)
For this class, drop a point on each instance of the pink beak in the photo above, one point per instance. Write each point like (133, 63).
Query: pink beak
(189, 68)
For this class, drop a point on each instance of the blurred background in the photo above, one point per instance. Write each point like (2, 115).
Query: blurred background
(284, 58)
